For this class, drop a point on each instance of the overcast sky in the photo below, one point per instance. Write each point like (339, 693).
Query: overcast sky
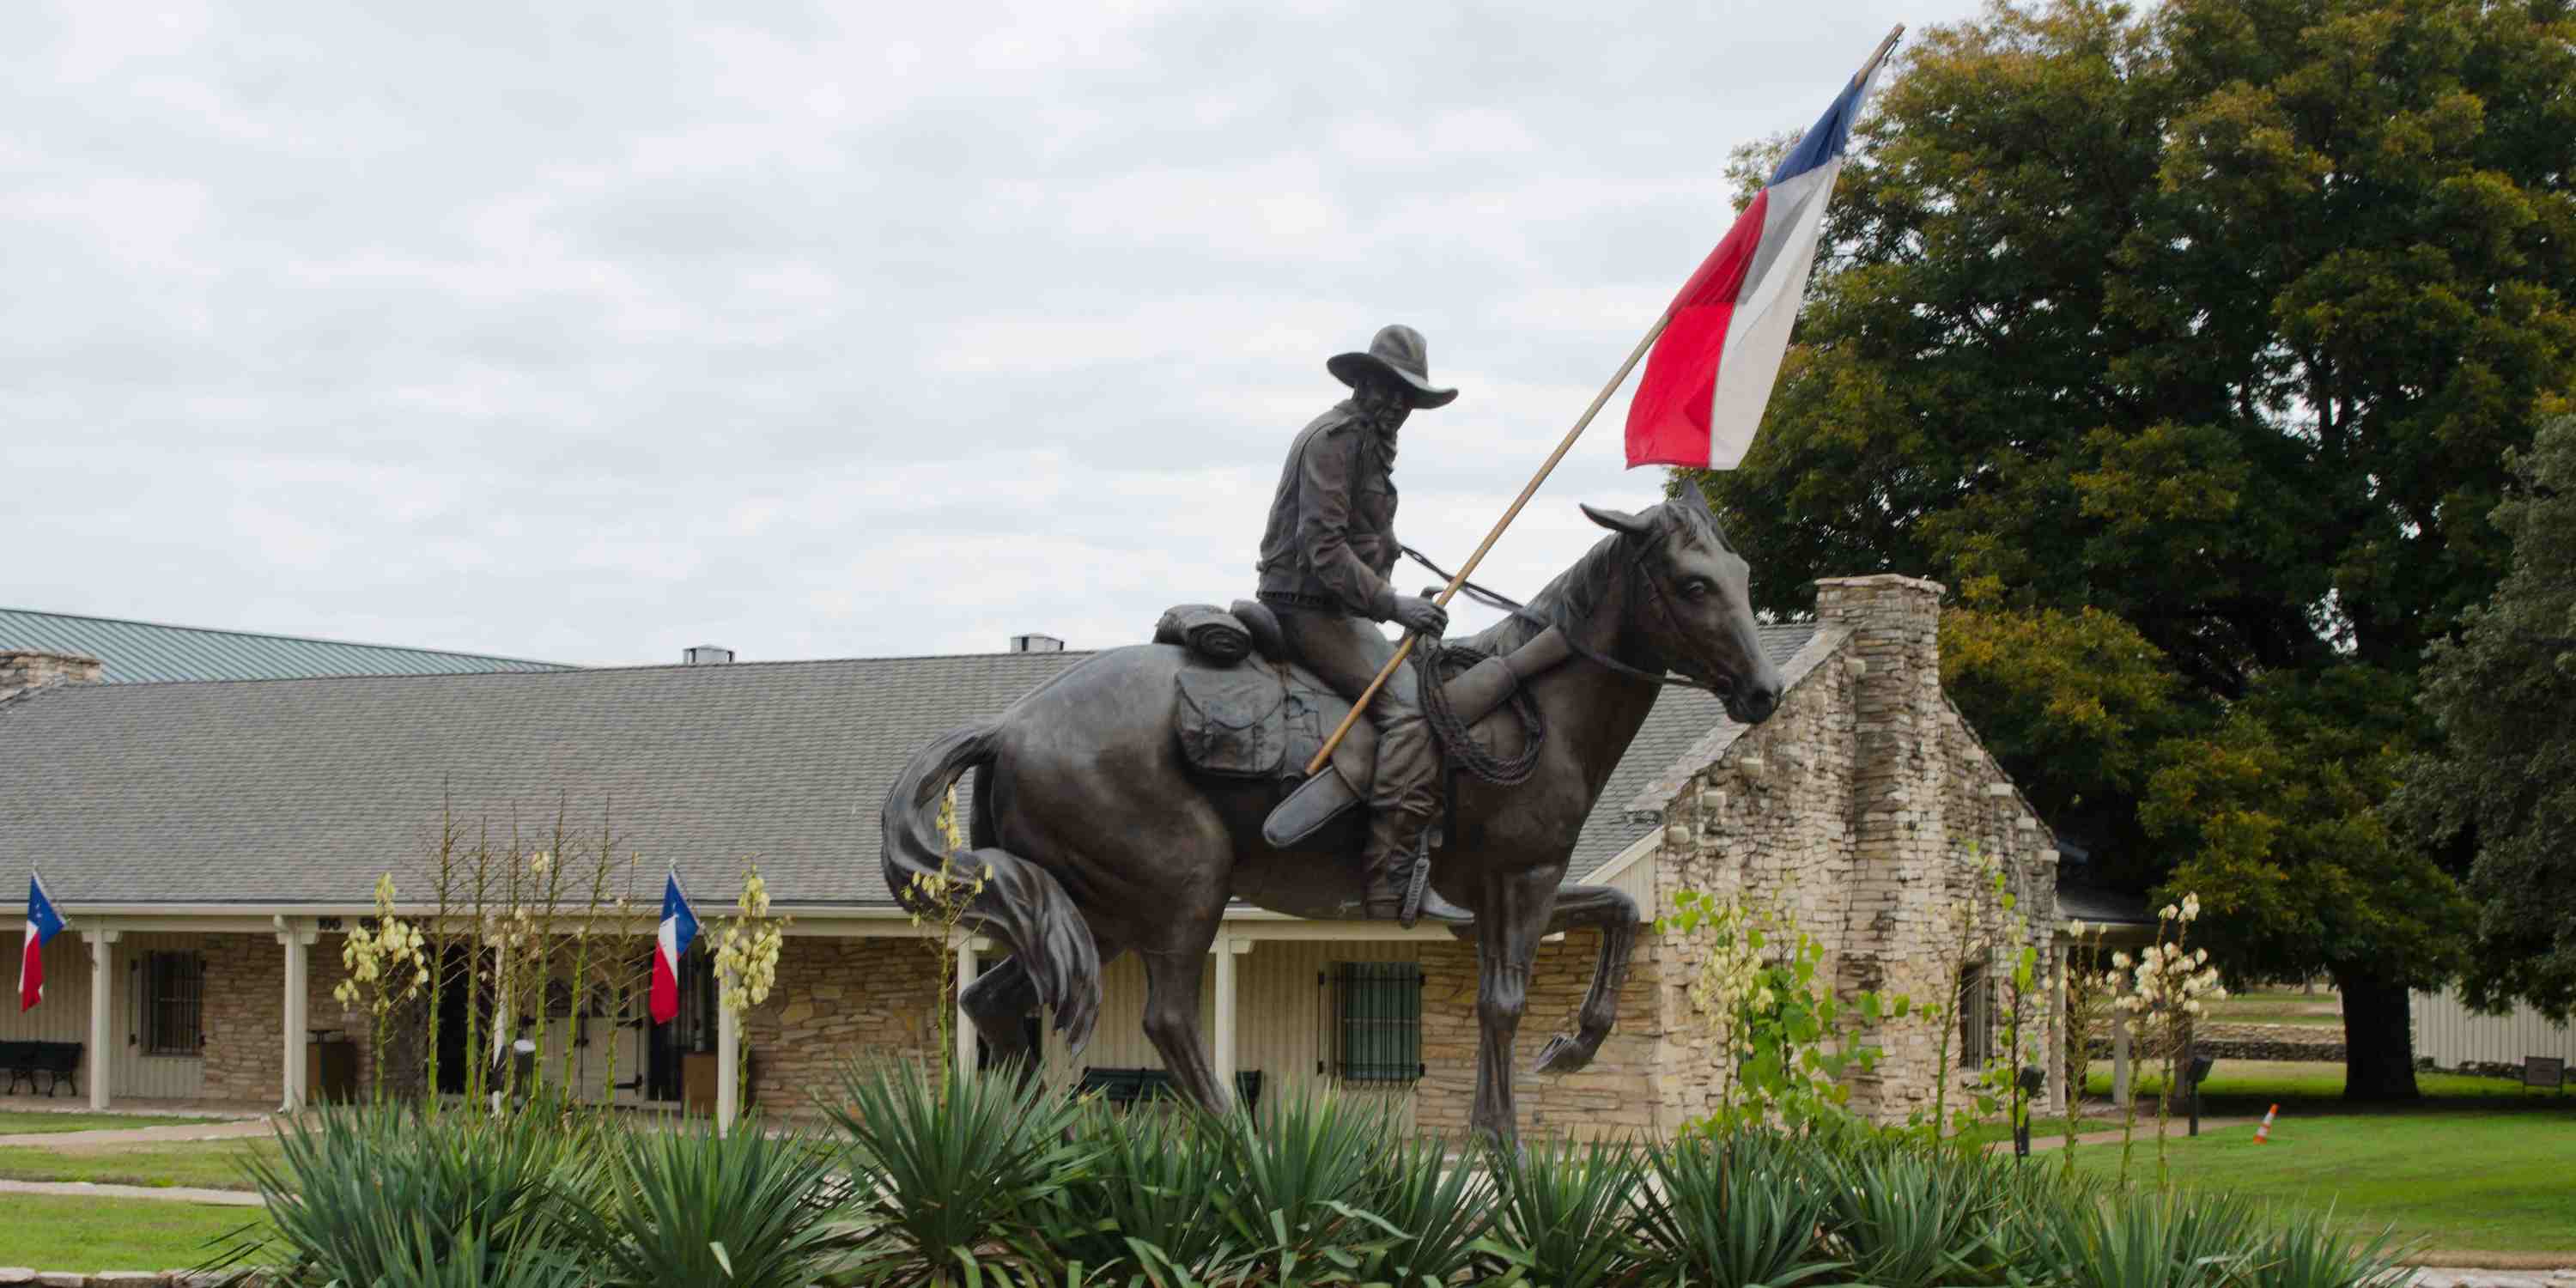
(818, 331)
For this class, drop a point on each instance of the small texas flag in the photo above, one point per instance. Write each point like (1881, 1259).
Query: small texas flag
(43, 923)
(1712, 369)
(679, 926)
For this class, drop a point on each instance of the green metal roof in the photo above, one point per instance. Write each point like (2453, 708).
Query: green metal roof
(139, 652)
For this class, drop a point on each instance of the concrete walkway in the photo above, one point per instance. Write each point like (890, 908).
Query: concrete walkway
(165, 1193)
(117, 1137)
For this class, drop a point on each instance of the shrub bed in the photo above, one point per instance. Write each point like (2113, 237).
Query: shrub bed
(985, 1182)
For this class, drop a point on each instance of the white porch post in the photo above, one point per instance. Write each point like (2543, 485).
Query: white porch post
(102, 990)
(969, 961)
(2120, 1059)
(1228, 947)
(2059, 1037)
(292, 1065)
(728, 1064)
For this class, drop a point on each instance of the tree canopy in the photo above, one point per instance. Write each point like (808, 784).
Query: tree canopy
(2189, 344)
(2503, 786)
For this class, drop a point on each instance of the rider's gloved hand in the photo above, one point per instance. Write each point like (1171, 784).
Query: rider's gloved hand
(1421, 617)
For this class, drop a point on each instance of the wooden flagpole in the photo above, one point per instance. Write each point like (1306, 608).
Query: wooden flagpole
(1468, 569)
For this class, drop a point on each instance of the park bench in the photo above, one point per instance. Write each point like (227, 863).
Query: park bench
(27, 1061)
(1125, 1088)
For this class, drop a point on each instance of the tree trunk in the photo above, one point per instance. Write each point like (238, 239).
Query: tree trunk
(2378, 1037)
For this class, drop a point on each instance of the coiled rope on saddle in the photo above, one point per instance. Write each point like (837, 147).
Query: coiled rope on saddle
(1434, 662)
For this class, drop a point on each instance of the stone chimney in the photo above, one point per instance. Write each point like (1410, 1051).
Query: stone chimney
(27, 670)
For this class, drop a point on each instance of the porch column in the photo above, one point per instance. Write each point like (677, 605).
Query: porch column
(969, 961)
(728, 1062)
(2120, 1058)
(102, 991)
(2059, 1050)
(1228, 947)
(293, 1064)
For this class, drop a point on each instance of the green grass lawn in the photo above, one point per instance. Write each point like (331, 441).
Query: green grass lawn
(19, 1122)
(86, 1235)
(214, 1164)
(2490, 1179)
(2248, 1086)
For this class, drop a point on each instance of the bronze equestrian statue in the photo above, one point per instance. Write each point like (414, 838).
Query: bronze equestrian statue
(1120, 806)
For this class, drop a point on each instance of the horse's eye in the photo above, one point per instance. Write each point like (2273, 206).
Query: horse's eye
(1696, 588)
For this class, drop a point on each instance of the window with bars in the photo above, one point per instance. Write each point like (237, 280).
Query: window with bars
(1976, 1016)
(1376, 1021)
(174, 1004)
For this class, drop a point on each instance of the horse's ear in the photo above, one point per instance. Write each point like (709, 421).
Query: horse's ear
(1635, 525)
(1696, 501)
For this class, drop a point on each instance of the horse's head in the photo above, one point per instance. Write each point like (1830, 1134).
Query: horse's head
(1697, 612)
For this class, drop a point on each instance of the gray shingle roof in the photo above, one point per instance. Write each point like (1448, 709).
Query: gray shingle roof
(149, 651)
(305, 790)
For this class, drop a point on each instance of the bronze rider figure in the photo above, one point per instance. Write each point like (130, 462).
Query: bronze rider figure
(1325, 559)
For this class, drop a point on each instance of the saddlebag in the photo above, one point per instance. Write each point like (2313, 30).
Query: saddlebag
(1231, 720)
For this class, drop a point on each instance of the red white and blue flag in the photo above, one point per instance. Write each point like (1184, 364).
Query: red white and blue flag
(679, 926)
(43, 923)
(1713, 367)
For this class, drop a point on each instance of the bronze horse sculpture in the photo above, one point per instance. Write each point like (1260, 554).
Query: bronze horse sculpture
(1100, 839)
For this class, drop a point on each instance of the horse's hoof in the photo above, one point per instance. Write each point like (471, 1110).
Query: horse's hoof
(1563, 1055)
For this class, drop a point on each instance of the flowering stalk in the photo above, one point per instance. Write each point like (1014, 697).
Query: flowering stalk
(386, 966)
(2166, 988)
(941, 899)
(747, 956)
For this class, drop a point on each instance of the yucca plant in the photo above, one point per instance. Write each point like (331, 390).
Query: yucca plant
(356, 1194)
(1442, 1212)
(953, 1181)
(1916, 1218)
(688, 1207)
(1293, 1182)
(1150, 1205)
(2159, 1240)
(1570, 1212)
(2306, 1252)
(472, 1261)
(1739, 1208)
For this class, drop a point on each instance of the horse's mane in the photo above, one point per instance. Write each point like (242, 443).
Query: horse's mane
(1571, 597)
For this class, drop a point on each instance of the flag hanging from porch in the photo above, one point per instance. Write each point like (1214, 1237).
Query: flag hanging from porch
(1712, 369)
(679, 926)
(43, 923)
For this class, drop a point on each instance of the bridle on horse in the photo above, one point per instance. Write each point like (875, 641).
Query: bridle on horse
(1433, 662)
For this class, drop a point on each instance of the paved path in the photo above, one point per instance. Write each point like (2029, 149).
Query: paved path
(2041, 1139)
(165, 1193)
(2563, 1276)
(114, 1137)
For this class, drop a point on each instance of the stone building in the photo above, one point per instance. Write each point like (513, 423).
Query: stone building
(215, 841)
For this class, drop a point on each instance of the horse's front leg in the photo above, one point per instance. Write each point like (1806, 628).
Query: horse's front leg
(1512, 920)
(1610, 911)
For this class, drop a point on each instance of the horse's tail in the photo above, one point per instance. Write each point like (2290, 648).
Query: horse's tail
(1016, 901)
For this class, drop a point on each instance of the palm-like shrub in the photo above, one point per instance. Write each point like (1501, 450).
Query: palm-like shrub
(1150, 1204)
(686, 1207)
(1294, 1180)
(362, 1195)
(954, 1177)
(1570, 1212)
(2305, 1252)
(1439, 1213)
(1738, 1207)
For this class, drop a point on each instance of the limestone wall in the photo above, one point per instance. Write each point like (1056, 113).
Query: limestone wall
(1862, 808)
(245, 1017)
(838, 1000)
(1616, 1097)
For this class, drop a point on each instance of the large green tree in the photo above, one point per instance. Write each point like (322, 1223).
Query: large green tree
(2503, 786)
(2216, 321)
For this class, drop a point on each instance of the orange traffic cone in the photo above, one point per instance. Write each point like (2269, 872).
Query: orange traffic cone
(2263, 1134)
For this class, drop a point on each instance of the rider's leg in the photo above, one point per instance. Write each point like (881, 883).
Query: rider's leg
(1346, 653)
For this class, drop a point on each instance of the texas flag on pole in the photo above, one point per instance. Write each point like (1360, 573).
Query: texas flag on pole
(679, 926)
(43, 923)
(1712, 369)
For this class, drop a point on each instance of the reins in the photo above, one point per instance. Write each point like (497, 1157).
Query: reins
(1504, 603)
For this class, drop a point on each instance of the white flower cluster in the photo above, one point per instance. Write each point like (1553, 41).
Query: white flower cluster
(377, 957)
(2166, 980)
(747, 953)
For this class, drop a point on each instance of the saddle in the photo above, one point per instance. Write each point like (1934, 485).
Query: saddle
(1243, 709)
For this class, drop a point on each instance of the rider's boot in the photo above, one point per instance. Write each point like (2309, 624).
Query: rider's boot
(1398, 885)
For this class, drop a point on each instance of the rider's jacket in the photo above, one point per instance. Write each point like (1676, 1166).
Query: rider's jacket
(1331, 539)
